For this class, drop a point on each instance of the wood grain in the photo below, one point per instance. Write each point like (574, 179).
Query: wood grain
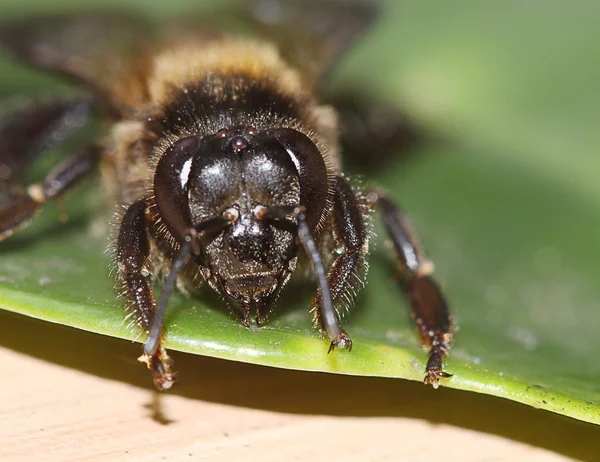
(68, 395)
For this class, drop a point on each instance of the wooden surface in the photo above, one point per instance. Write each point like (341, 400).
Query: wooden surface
(69, 395)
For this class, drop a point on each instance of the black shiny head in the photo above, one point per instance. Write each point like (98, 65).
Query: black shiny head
(240, 174)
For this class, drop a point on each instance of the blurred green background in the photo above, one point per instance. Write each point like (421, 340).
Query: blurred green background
(503, 190)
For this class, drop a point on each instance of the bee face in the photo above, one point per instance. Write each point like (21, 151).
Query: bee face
(226, 160)
(240, 173)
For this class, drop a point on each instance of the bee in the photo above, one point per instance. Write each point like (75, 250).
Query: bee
(225, 157)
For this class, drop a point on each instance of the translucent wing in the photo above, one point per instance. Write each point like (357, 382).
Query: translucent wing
(311, 33)
(111, 54)
(106, 53)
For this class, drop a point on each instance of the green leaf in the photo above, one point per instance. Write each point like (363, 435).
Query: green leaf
(507, 206)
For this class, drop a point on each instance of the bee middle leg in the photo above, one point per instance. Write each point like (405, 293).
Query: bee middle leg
(429, 306)
(133, 272)
(345, 273)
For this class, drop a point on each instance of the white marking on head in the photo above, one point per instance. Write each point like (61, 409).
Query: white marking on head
(295, 159)
(184, 175)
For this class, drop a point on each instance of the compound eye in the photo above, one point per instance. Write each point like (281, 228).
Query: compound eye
(259, 211)
(232, 214)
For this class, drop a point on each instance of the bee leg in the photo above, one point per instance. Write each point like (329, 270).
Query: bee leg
(428, 304)
(18, 209)
(38, 129)
(352, 236)
(133, 268)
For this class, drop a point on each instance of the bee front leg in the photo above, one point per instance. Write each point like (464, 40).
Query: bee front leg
(133, 271)
(349, 268)
(428, 304)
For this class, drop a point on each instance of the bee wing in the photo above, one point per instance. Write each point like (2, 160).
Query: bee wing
(111, 54)
(104, 52)
(312, 33)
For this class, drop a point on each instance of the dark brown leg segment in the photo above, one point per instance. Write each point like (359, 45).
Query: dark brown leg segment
(428, 304)
(133, 270)
(349, 267)
(18, 209)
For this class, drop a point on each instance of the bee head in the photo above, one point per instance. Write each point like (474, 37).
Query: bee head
(240, 174)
